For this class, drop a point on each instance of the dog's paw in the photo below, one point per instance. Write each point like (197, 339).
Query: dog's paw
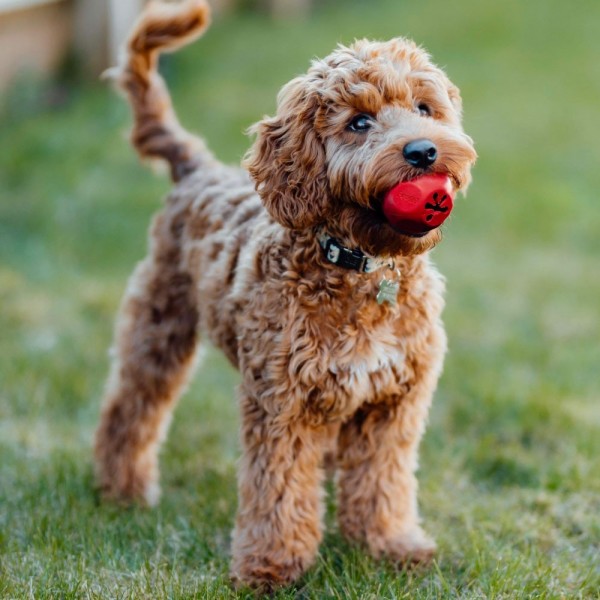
(129, 490)
(265, 576)
(148, 498)
(407, 548)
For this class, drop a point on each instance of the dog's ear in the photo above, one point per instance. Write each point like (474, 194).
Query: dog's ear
(287, 159)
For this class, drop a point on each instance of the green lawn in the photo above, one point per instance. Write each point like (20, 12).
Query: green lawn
(510, 483)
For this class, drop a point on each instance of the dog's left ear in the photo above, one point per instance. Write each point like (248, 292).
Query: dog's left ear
(287, 160)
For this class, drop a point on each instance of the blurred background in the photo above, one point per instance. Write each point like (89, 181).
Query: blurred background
(509, 466)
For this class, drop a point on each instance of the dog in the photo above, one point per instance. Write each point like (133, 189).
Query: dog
(290, 267)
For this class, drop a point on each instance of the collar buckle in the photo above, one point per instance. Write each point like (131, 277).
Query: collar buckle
(351, 259)
(344, 257)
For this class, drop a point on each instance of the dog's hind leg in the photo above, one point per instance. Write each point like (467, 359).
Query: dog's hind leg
(156, 331)
(153, 354)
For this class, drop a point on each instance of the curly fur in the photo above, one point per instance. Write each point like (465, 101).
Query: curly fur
(234, 256)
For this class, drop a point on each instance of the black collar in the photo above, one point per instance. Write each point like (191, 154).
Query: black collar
(355, 259)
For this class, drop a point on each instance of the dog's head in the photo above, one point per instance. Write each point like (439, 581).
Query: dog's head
(340, 141)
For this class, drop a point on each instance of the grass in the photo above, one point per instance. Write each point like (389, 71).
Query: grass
(510, 484)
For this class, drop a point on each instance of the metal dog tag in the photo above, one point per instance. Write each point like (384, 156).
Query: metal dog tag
(388, 291)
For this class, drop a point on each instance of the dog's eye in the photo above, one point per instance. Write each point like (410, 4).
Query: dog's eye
(423, 110)
(361, 123)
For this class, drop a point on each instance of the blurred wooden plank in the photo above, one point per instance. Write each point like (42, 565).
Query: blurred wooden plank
(34, 39)
(91, 35)
(290, 9)
(96, 29)
(14, 5)
(101, 30)
(121, 16)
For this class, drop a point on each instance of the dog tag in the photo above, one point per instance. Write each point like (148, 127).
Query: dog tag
(388, 292)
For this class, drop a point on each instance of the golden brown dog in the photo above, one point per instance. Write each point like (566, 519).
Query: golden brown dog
(239, 257)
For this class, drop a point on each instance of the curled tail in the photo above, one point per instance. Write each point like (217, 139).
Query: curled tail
(162, 27)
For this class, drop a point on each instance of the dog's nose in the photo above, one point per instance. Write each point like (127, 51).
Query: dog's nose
(420, 153)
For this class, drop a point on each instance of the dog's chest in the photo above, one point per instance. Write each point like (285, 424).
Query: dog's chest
(359, 362)
(347, 349)
(357, 356)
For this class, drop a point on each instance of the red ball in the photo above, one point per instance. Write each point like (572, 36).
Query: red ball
(419, 205)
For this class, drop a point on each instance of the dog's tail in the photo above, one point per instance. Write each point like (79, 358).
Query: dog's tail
(162, 27)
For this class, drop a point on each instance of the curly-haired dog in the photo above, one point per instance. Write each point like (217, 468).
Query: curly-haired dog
(324, 364)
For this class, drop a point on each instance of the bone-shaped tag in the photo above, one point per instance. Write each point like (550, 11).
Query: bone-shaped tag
(388, 291)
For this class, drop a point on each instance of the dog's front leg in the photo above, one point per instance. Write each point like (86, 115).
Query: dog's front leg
(279, 521)
(377, 488)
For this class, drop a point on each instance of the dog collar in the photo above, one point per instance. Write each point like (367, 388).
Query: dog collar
(359, 261)
(356, 259)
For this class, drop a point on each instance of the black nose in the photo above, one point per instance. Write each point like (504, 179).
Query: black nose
(420, 153)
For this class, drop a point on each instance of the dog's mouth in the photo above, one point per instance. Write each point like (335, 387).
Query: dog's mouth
(418, 206)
